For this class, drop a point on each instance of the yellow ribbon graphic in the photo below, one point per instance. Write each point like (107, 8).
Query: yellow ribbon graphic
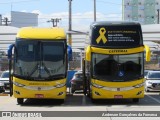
(102, 37)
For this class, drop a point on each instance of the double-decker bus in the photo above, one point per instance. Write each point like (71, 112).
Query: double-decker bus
(114, 61)
(39, 65)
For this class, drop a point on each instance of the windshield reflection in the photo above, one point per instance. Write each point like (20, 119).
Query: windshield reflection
(40, 60)
(117, 67)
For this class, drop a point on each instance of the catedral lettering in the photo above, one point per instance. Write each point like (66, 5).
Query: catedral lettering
(115, 68)
(117, 51)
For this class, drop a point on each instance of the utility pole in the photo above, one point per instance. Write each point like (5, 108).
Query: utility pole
(70, 23)
(158, 16)
(94, 10)
(6, 21)
(0, 19)
(54, 21)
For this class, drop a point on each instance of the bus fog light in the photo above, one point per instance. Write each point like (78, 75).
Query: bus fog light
(61, 93)
(17, 92)
(139, 92)
(97, 93)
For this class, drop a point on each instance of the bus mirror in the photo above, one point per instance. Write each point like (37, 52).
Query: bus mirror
(88, 53)
(69, 49)
(148, 53)
(10, 51)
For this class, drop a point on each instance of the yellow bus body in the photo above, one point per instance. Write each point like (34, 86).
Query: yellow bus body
(46, 88)
(41, 33)
(32, 88)
(111, 90)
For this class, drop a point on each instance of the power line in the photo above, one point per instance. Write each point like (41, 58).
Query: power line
(54, 21)
(5, 21)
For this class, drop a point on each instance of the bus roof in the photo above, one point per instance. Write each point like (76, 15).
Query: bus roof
(103, 23)
(41, 33)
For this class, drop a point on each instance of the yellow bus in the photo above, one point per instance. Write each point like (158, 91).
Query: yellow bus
(39, 65)
(114, 61)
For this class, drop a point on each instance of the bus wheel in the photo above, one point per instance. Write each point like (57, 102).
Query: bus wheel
(20, 101)
(72, 91)
(146, 90)
(136, 100)
(88, 94)
(93, 100)
(61, 101)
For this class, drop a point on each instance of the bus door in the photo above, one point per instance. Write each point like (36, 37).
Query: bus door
(10, 58)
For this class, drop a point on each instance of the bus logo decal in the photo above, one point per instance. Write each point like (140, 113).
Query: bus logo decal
(121, 73)
(118, 89)
(39, 88)
(102, 37)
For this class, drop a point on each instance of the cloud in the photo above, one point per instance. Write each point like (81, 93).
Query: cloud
(80, 21)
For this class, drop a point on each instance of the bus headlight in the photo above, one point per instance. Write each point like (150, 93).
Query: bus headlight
(18, 84)
(60, 85)
(139, 85)
(97, 86)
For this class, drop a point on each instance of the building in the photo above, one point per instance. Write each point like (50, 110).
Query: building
(23, 19)
(143, 11)
(7, 37)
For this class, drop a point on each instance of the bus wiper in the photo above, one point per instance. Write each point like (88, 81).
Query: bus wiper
(34, 69)
(46, 69)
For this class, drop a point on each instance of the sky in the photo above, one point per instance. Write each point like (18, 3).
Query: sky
(82, 11)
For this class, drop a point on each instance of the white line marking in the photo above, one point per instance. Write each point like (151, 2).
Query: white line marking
(154, 98)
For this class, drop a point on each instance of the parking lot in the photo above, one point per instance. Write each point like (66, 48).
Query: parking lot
(79, 102)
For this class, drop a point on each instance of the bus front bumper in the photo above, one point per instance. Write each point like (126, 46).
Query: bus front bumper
(99, 93)
(56, 93)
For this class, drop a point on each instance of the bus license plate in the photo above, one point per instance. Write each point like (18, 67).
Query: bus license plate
(39, 95)
(118, 96)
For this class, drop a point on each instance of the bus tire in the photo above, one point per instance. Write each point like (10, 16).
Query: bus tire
(88, 95)
(135, 100)
(20, 101)
(61, 101)
(93, 100)
(146, 90)
(72, 91)
(89, 91)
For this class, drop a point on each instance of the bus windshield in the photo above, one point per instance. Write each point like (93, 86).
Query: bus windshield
(40, 60)
(117, 68)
